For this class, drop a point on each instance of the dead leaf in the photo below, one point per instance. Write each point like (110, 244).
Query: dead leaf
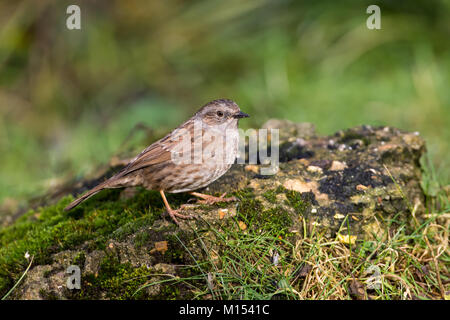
(160, 246)
(361, 187)
(346, 239)
(356, 290)
(242, 225)
(304, 162)
(387, 147)
(304, 271)
(210, 281)
(425, 270)
(252, 168)
(222, 213)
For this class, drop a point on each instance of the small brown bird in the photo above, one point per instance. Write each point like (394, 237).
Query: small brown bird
(192, 156)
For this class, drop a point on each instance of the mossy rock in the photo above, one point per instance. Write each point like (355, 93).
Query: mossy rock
(127, 248)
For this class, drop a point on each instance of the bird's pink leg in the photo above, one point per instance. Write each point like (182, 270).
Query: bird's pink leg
(174, 213)
(207, 199)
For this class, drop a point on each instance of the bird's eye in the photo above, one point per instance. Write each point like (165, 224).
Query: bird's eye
(220, 113)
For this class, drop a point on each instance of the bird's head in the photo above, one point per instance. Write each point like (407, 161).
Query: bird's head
(219, 112)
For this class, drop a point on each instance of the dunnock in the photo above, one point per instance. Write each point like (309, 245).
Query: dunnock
(192, 156)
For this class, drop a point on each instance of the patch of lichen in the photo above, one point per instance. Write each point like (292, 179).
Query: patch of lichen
(48, 230)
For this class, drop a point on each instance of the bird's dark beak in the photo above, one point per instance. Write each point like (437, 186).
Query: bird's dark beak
(240, 114)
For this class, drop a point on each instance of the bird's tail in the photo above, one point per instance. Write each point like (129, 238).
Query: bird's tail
(87, 195)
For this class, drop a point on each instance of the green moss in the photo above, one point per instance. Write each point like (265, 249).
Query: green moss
(141, 239)
(123, 281)
(176, 253)
(276, 221)
(248, 205)
(299, 201)
(49, 230)
(79, 259)
(169, 293)
(118, 280)
(252, 212)
(270, 196)
(132, 227)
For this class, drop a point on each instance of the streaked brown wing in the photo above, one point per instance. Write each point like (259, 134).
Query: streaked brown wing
(158, 152)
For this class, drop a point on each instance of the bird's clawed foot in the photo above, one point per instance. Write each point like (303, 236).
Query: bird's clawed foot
(174, 214)
(207, 199)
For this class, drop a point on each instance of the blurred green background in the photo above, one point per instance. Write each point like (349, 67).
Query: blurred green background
(69, 98)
